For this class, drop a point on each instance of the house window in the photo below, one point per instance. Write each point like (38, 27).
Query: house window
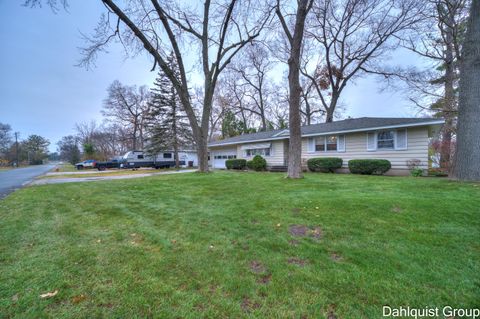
(385, 140)
(167, 155)
(326, 143)
(320, 144)
(331, 143)
(258, 151)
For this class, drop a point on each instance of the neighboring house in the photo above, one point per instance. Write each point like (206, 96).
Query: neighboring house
(395, 139)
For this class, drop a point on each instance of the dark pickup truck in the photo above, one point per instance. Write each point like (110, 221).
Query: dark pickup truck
(101, 166)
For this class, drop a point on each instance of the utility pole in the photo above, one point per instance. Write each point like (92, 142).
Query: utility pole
(16, 147)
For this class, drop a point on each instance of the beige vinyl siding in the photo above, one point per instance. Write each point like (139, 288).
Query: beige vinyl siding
(356, 148)
(276, 154)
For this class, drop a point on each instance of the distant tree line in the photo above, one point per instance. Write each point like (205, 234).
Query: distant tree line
(16, 151)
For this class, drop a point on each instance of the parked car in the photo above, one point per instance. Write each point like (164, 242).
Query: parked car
(86, 164)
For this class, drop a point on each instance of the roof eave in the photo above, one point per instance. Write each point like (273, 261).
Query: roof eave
(429, 123)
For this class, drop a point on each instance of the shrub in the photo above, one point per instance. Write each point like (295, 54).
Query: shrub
(416, 172)
(413, 163)
(258, 163)
(324, 164)
(238, 163)
(369, 166)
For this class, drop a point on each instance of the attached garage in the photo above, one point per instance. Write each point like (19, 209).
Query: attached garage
(218, 157)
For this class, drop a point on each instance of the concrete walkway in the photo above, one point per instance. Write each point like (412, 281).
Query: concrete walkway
(103, 178)
(95, 171)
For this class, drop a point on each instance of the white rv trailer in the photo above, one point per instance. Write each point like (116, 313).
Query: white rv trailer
(164, 159)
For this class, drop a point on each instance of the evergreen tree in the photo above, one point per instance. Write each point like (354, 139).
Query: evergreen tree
(167, 124)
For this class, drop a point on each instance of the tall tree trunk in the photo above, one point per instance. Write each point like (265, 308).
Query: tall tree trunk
(134, 137)
(329, 115)
(295, 90)
(467, 156)
(449, 99)
(174, 131)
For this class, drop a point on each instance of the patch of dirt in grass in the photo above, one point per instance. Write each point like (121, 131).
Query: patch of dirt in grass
(331, 312)
(336, 257)
(78, 299)
(248, 305)
(304, 231)
(265, 279)
(106, 305)
(297, 261)
(257, 267)
(396, 209)
(136, 239)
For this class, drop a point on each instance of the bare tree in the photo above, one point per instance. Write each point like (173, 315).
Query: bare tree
(128, 106)
(256, 87)
(295, 40)
(438, 39)
(351, 37)
(467, 156)
(220, 32)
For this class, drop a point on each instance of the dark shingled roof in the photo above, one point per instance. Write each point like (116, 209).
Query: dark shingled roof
(363, 123)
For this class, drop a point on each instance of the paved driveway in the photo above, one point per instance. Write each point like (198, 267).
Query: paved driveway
(12, 179)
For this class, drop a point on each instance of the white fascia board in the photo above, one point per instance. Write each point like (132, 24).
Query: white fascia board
(439, 122)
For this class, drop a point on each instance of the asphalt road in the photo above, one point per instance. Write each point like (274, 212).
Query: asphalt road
(16, 178)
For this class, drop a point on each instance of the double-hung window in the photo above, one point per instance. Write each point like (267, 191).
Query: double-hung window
(326, 143)
(386, 139)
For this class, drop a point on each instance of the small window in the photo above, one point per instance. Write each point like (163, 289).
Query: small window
(167, 155)
(320, 144)
(326, 143)
(257, 151)
(331, 143)
(139, 156)
(385, 140)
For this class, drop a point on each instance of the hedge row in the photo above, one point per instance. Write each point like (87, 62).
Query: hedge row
(369, 166)
(358, 166)
(236, 163)
(258, 163)
(320, 164)
(324, 164)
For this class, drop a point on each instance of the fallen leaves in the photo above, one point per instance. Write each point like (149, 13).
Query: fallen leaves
(49, 294)
(78, 299)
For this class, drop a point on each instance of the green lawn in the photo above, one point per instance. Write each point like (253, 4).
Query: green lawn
(220, 246)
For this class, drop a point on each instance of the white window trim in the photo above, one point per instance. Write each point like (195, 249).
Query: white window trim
(406, 141)
(395, 147)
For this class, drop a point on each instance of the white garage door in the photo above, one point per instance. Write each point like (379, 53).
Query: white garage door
(220, 156)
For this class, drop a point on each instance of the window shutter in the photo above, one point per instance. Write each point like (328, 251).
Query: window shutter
(341, 143)
(371, 141)
(311, 145)
(401, 139)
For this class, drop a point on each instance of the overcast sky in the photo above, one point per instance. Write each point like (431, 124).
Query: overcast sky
(43, 92)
